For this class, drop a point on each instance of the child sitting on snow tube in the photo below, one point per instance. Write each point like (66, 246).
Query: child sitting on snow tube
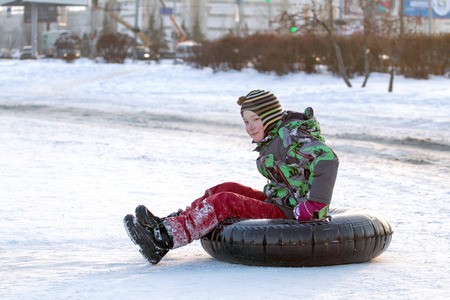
(301, 171)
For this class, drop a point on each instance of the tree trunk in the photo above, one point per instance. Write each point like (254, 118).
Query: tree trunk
(391, 79)
(340, 61)
(337, 49)
(366, 67)
(393, 59)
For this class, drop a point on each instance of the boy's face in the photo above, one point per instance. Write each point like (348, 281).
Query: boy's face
(253, 125)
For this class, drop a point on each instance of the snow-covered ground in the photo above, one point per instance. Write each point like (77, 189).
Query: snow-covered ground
(83, 144)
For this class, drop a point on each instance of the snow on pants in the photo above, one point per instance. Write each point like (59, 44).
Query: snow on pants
(226, 200)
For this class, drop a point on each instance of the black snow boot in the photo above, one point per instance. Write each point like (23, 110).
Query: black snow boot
(154, 242)
(150, 220)
(146, 217)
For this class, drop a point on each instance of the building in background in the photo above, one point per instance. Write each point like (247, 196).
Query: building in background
(211, 19)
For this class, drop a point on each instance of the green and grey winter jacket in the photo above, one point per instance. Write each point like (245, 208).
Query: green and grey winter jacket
(298, 164)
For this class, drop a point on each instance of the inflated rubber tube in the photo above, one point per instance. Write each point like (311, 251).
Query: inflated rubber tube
(349, 236)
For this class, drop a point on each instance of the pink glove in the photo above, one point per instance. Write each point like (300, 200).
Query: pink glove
(305, 210)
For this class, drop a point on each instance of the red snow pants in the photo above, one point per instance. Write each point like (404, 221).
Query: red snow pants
(226, 200)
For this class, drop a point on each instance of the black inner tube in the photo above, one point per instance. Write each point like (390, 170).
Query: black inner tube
(350, 236)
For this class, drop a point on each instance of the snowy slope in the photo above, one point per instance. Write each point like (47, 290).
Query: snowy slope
(82, 144)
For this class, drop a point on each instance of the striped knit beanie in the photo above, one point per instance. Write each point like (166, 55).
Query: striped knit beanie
(264, 104)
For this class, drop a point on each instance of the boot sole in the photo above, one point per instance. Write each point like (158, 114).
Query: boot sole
(140, 236)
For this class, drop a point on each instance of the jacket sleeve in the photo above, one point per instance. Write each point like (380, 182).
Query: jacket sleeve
(321, 166)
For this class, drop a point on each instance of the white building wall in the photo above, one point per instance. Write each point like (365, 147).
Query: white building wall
(216, 17)
(12, 31)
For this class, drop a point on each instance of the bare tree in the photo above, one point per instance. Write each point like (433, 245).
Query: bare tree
(109, 24)
(156, 33)
(329, 30)
(368, 15)
(313, 22)
(392, 28)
